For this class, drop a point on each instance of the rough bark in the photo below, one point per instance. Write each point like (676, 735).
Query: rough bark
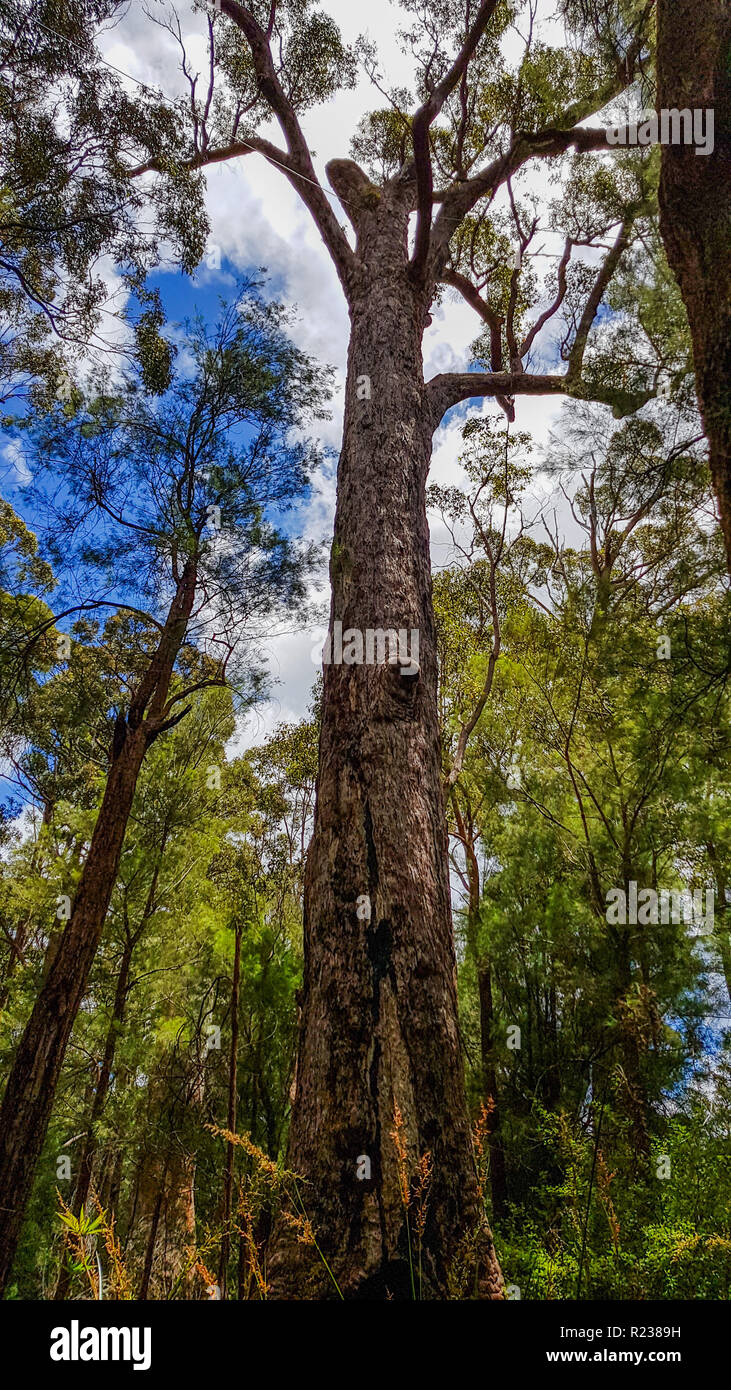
(379, 1009)
(176, 1277)
(693, 43)
(31, 1086)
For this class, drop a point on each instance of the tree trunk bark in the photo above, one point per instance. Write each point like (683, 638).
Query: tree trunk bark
(379, 1011)
(483, 971)
(175, 1278)
(722, 921)
(695, 210)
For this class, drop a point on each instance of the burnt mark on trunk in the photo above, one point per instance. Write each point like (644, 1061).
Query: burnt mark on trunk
(379, 936)
(379, 946)
(371, 856)
(377, 1170)
(391, 1281)
(380, 943)
(118, 738)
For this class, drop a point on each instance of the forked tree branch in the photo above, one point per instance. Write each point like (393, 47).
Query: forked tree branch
(460, 198)
(424, 118)
(489, 316)
(598, 290)
(553, 308)
(297, 162)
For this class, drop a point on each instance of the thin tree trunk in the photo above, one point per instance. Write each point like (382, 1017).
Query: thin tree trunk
(115, 1187)
(32, 1083)
(15, 957)
(722, 917)
(632, 1050)
(86, 1162)
(693, 44)
(241, 1270)
(231, 1116)
(132, 1219)
(17, 942)
(498, 1180)
(465, 830)
(151, 1240)
(33, 1079)
(379, 1012)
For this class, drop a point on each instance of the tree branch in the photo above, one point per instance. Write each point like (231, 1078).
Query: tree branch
(449, 388)
(540, 323)
(591, 308)
(494, 321)
(299, 167)
(460, 198)
(421, 123)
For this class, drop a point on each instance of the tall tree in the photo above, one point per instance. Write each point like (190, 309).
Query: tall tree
(379, 1016)
(471, 606)
(568, 784)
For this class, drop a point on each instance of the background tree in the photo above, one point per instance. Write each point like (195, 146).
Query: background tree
(588, 743)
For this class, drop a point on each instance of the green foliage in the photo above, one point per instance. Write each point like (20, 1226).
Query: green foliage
(69, 135)
(597, 758)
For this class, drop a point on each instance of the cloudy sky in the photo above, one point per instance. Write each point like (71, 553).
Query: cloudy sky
(258, 220)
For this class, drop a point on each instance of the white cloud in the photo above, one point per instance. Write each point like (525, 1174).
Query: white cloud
(13, 453)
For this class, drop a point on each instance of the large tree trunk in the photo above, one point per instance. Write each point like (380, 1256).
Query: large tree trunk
(31, 1086)
(693, 44)
(176, 1274)
(379, 1014)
